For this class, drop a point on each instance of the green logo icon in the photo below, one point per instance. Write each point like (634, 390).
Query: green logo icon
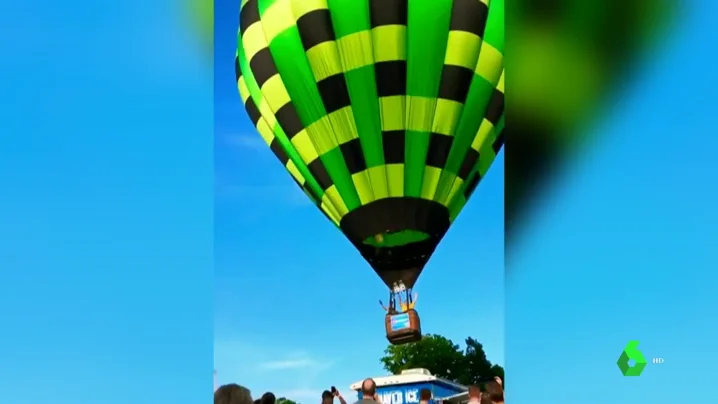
(631, 353)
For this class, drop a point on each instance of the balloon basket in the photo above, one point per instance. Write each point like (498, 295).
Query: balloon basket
(403, 328)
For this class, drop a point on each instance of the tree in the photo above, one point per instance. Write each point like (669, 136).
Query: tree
(434, 352)
(443, 358)
(282, 400)
(478, 364)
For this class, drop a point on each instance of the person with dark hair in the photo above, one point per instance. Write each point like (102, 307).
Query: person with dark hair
(328, 396)
(424, 396)
(232, 394)
(368, 392)
(474, 394)
(268, 398)
(495, 392)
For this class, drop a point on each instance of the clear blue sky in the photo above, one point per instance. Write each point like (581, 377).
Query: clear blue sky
(276, 259)
(106, 260)
(105, 205)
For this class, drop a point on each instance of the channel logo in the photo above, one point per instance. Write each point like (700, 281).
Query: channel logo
(632, 362)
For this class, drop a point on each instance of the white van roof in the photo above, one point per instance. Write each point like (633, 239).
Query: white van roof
(406, 377)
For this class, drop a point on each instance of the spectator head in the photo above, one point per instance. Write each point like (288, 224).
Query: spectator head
(268, 398)
(424, 395)
(232, 394)
(495, 392)
(368, 388)
(327, 397)
(474, 392)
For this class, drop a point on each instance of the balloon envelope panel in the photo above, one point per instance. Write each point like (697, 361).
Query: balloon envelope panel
(386, 112)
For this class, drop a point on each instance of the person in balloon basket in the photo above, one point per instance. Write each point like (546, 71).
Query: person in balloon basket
(407, 305)
(328, 396)
(404, 305)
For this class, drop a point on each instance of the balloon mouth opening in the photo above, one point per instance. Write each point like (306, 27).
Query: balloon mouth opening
(398, 238)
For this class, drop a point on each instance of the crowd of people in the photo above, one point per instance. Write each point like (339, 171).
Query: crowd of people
(492, 393)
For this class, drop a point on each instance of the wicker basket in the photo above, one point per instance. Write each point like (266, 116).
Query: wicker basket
(406, 335)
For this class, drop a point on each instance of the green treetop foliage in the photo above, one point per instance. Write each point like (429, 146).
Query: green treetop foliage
(443, 358)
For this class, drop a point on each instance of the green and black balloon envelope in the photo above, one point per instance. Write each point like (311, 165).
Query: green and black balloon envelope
(567, 59)
(387, 113)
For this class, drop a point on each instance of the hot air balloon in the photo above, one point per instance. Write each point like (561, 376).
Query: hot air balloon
(387, 113)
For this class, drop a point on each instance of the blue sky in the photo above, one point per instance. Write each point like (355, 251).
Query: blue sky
(105, 205)
(276, 255)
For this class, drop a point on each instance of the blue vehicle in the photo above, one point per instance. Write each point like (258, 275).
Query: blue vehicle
(405, 387)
